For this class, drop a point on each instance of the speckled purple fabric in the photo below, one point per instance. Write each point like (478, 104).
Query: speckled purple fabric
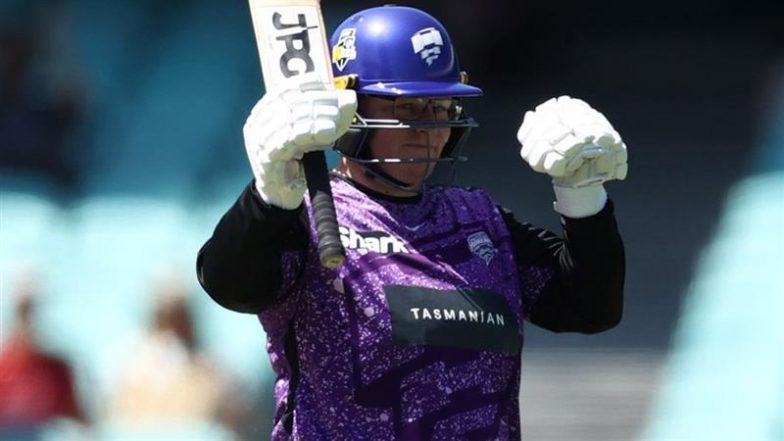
(355, 383)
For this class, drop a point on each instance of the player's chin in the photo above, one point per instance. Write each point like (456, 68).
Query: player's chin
(413, 174)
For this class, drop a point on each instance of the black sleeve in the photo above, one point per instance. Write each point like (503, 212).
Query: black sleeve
(586, 292)
(240, 265)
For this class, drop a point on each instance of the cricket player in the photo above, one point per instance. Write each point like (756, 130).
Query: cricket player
(418, 335)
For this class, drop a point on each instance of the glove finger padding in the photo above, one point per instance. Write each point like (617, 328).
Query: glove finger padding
(567, 139)
(318, 118)
(597, 164)
(282, 182)
(555, 163)
(538, 154)
(621, 170)
(299, 117)
(621, 156)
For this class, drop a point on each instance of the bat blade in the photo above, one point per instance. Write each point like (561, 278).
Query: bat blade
(292, 40)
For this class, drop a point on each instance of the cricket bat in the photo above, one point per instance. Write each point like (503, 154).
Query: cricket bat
(291, 39)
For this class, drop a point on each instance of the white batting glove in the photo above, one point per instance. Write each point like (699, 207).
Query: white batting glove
(576, 145)
(299, 117)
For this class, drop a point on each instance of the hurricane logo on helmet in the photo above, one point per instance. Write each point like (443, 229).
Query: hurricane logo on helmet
(427, 43)
(346, 49)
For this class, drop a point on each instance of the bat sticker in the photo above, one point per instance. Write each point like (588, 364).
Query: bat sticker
(299, 38)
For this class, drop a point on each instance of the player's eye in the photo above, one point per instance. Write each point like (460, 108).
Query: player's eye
(447, 109)
(409, 107)
(440, 109)
(409, 110)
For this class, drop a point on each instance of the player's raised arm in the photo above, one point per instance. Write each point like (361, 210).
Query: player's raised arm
(573, 143)
(241, 266)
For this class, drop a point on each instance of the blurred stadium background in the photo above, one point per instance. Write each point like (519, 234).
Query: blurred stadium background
(120, 148)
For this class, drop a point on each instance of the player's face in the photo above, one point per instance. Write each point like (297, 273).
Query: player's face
(416, 143)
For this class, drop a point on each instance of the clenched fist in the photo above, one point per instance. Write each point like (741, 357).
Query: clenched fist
(572, 142)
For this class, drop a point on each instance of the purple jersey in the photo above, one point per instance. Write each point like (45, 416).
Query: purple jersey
(417, 336)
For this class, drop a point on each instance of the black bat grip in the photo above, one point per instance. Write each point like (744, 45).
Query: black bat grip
(330, 249)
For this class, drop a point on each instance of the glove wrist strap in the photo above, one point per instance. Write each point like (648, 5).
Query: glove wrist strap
(579, 202)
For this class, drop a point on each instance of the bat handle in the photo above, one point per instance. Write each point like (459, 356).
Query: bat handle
(330, 249)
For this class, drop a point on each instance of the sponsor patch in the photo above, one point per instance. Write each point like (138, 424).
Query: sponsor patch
(467, 318)
(375, 241)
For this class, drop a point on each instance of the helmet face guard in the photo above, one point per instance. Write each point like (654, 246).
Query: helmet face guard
(395, 51)
(353, 144)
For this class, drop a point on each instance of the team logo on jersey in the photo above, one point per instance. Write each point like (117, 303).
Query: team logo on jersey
(346, 49)
(375, 241)
(427, 43)
(482, 246)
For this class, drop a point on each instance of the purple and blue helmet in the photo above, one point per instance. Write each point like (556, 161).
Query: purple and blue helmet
(397, 51)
